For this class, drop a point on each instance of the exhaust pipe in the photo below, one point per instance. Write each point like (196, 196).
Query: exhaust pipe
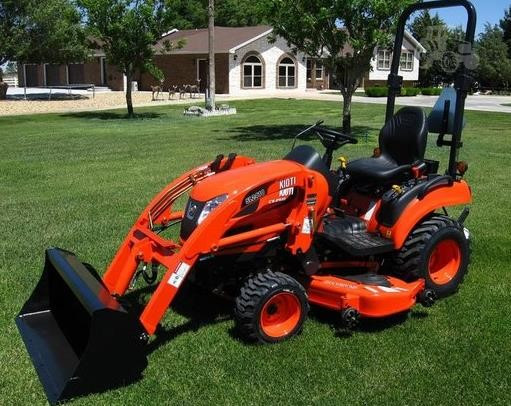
(80, 339)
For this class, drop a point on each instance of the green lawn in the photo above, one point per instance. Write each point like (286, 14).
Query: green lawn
(79, 181)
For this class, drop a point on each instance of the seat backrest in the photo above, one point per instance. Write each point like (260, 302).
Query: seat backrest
(437, 123)
(403, 139)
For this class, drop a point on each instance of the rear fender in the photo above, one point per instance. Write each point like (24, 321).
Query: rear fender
(446, 196)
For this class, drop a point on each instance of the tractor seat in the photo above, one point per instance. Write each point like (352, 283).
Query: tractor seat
(402, 144)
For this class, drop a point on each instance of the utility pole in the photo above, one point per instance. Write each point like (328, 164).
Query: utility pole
(211, 31)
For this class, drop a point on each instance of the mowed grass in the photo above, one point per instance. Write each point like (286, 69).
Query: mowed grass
(79, 181)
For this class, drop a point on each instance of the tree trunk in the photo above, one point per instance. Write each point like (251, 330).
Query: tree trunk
(129, 101)
(346, 112)
(3, 86)
(211, 31)
(3, 90)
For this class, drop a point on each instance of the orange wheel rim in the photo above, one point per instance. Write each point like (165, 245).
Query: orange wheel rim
(444, 262)
(280, 315)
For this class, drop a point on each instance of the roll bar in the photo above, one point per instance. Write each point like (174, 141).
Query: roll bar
(463, 80)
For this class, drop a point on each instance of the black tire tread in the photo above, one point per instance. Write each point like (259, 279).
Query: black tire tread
(252, 292)
(407, 260)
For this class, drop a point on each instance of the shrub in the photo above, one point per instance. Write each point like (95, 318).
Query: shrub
(410, 91)
(431, 91)
(377, 91)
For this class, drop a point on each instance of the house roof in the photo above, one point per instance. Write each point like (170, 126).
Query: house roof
(414, 42)
(227, 39)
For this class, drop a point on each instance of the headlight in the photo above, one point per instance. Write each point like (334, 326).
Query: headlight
(210, 206)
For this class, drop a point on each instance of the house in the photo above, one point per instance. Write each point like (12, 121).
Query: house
(245, 61)
(409, 68)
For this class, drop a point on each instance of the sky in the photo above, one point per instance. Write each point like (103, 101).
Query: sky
(487, 11)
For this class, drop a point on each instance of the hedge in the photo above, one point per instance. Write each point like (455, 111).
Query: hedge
(431, 91)
(384, 91)
(377, 91)
(410, 91)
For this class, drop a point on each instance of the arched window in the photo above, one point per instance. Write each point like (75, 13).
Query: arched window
(287, 73)
(252, 72)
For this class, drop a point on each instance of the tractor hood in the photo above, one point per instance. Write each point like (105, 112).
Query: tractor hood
(252, 182)
(243, 179)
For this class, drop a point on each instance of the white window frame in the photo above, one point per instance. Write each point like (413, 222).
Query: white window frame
(252, 66)
(321, 69)
(383, 59)
(287, 66)
(407, 61)
(197, 65)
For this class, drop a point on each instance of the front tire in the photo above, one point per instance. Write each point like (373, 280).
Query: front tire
(271, 307)
(438, 251)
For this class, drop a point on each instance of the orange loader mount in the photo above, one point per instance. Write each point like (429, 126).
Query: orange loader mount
(365, 240)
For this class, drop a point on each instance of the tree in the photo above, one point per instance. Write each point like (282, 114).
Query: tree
(192, 14)
(11, 68)
(238, 13)
(211, 47)
(422, 27)
(128, 32)
(36, 31)
(441, 59)
(494, 69)
(344, 32)
(10, 28)
(505, 24)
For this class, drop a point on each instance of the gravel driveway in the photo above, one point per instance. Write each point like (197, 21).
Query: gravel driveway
(61, 102)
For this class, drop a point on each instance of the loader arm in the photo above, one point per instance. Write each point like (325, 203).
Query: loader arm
(142, 243)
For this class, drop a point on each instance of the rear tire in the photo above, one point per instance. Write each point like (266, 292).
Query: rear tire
(271, 307)
(436, 250)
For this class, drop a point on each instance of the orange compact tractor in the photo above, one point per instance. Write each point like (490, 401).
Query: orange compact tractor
(369, 239)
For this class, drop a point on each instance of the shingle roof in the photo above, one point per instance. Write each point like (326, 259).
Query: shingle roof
(226, 38)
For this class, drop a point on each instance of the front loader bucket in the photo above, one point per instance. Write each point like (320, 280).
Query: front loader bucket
(80, 339)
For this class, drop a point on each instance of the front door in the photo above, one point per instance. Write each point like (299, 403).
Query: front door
(202, 74)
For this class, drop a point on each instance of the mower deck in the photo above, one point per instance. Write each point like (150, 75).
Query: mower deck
(384, 296)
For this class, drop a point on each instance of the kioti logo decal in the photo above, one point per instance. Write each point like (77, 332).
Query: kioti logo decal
(287, 187)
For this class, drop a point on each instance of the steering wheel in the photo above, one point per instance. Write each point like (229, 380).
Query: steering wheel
(332, 139)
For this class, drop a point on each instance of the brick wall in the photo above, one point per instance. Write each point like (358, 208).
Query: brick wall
(182, 70)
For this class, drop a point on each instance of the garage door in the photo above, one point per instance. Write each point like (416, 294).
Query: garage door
(32, 77)
(76, 73)
(52, 76)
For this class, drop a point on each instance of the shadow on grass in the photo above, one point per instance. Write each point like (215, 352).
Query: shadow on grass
(109, 115)
(368, 325)
(284, 132)
(200, 307)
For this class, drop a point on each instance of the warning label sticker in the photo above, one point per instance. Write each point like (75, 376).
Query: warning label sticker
(179, 275)
(307, 226)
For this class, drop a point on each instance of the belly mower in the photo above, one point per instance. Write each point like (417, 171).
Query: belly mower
(365, 240)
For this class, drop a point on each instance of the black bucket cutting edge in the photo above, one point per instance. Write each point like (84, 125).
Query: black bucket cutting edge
(80, 339)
